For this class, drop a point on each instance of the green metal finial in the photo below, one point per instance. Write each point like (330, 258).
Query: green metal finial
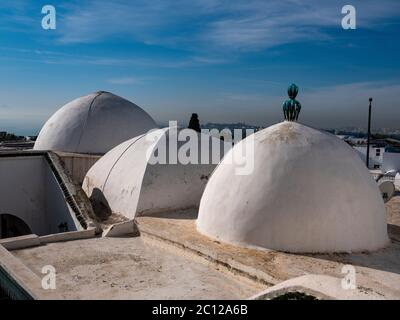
(291, 107)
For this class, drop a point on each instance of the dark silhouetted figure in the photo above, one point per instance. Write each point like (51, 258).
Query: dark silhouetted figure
(63, 227)
(194, 122)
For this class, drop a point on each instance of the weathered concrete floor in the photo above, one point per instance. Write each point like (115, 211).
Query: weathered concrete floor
(129, 268)
(154, 266)
(378, 272)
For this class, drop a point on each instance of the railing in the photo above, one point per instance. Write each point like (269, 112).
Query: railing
(67, 195)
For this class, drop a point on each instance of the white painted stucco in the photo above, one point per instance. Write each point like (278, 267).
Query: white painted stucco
(93, 124)
(376, 155)
(30, 191)
(126, 182)
(309, 192)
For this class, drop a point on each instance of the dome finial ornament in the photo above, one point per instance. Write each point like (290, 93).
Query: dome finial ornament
(291, 107)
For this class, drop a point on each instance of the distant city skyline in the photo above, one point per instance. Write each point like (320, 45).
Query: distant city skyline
(228, 61)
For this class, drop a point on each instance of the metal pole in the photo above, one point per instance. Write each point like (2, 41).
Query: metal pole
(369, 130)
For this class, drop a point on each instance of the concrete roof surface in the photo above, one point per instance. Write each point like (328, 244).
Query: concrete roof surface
(130, 268)
(171, 260)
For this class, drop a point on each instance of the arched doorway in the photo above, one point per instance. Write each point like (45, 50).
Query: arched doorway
(12, 226)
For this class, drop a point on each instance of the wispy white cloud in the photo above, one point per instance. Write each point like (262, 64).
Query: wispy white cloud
(63, 58)
(125, 80)
(214, 24)
(15, 16)
(206, 29)
(190, 61)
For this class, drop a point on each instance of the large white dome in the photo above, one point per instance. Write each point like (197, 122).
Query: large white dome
(308, 192)
(93, 124)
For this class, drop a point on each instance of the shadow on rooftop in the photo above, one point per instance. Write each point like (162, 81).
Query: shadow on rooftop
(184, 214)
(386, 259)
(100, 205)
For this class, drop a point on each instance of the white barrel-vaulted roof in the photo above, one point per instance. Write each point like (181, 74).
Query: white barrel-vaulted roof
(93, 124)
(308, 192)
(128, 180)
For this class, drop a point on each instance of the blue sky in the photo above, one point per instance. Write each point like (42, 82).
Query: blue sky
(227, 60)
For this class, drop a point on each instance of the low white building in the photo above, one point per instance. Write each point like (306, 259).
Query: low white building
(381, 157)
(376, 152)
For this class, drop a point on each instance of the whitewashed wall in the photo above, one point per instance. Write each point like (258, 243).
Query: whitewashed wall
(373, 158)
(29, 190)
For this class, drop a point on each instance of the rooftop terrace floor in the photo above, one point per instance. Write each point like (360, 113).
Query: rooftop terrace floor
(171, 260)
(130, 268)
(377, 273)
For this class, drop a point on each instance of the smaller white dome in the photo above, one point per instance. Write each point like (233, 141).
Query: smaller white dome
(308, 192)
(128, 181)
(93, 124)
